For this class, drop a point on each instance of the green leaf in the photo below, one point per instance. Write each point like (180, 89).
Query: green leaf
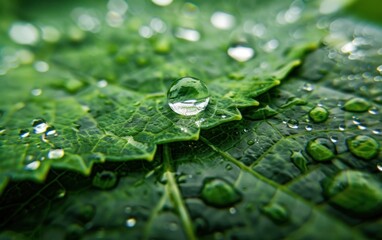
(276, 171)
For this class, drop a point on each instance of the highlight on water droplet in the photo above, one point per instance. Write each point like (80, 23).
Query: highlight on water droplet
(56, 153)
(308, 127)
(188, 96)
(276, 212)
(292, 123)
(33, 165)
(363, 146)
(162, 2)
(24, 133)
(240, 52)
(39, 125)
(222, 20)
(130, 222)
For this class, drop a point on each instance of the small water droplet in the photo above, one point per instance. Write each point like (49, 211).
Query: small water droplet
(2, 130)
(250, 142)
(356, 105)
(41, 66)
(363, 146)
(373, 110)
(356, 120)
(36, 92)
(24, 33)
(379, 167)
(105, 180)
(188, 96)
(232, 210)
(162, 3)
(56, 153)
(361, 127)
(222, 20)
(319, 114)
(321, 149)
(271, 45)
(39, 125)
(24, 133)
(130, 222)
(334, 139)
(377, 131)
(293, 123)
(379, 69)
(308, 87)
(33, 165)
(341, 127)
(241, 52)
(102, 83)
(51, 131)
(61, 193)
(308, 127)
(219, 193)
(188, 34)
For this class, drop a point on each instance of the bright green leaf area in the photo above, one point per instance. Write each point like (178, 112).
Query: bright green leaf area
(257, 163)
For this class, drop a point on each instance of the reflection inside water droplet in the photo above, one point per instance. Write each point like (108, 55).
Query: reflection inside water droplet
(188, 96)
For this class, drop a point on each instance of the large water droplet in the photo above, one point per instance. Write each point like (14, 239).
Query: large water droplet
(219, 193)
(188, 96)
(241, 52)
(319, 114)
(105, 180)
(56, 153)
(321, 149)
(356, 105)
(39, 125)
(356, 192)
(276, 212)
(362, 146)
(24, 133)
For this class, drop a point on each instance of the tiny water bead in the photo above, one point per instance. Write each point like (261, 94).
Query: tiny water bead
(321, 149)
(363, 146)
(131, 222)
(308, 87)
(356, 192)
(56, 153)
(357, 105)
(220, 193)
(24, 133)
(39, 125)
(319, 114)
(33, 165)
(105, 180)
(241, 52)
(292, 123)
(51, 131)
(188, 96)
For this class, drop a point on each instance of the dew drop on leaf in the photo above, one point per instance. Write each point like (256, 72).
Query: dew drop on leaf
(228, 167)
(188, 34)
(276, 212)
(188, 96)
(333, 139)
(319, 114)
(308, 87)
(377, 131)
(24, 133)
(33, 165)
(39, 125)
(218, 192)
(356, 192)
(241, 52)
(50, 131)
(373, 110)
(36, 92)
(299, 161)
(56, 153)
(356, 105)
(130, 222)
(363, 146)
(2, 130)
(292, 123)
(162, 2)
(222, 20)
(379, 167)
(308, 127)
(341, 127)
(250, 142)
(321, 149)
(105, 180)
